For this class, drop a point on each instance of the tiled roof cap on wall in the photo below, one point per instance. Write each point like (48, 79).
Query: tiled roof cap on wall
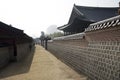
(111, 22)
(71, 37)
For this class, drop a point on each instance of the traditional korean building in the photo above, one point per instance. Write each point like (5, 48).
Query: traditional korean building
(10, 35)
(82, 16)
(14, 44)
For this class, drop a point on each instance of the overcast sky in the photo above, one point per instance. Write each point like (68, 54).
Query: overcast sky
(34, 16)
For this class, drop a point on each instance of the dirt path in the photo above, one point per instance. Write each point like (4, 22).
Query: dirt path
(41, 65)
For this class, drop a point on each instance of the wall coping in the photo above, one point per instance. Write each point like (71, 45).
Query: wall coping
(71, 37)
(110, 22)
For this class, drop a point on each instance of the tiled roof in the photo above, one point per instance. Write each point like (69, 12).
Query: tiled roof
(87, 15)
(8, 32)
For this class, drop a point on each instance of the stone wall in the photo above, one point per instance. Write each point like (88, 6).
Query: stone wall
(98, 56)
(4, 56)
(23, 50)
(7, 53)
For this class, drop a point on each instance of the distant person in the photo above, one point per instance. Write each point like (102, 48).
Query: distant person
(46, 40)
(42, 37)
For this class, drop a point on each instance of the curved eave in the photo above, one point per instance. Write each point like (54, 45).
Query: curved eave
(63, 27)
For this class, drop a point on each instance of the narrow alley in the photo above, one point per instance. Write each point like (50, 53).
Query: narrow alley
(39, 65)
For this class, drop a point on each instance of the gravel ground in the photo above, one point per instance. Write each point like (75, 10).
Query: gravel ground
(40, 65)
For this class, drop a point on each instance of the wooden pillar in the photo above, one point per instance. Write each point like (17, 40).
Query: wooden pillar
(69, 33)
(64, 33)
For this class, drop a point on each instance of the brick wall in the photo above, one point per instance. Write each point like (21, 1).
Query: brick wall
(97, 54)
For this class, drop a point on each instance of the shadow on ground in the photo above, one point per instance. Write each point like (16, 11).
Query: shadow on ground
(15, 68)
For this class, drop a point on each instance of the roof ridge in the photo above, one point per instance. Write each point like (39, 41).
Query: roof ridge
(102, 7)
(77, 10)
(79, 13)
